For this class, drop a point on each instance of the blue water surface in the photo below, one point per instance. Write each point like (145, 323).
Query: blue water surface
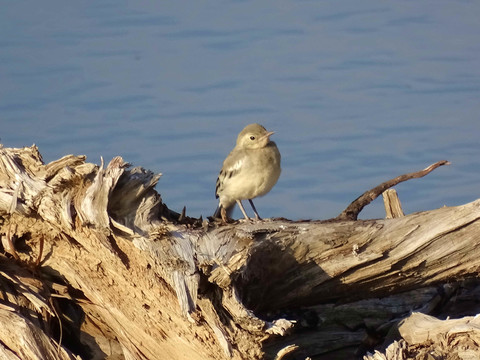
(357, 92)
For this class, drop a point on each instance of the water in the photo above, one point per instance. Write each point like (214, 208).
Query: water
(357, 93)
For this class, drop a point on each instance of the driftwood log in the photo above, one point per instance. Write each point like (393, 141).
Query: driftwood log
(93, 265)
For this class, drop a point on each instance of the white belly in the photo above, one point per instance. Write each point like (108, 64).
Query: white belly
(254, 180)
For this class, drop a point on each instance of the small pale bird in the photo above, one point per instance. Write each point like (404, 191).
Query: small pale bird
(250, 170)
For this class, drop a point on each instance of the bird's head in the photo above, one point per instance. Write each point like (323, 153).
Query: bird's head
(253, 136)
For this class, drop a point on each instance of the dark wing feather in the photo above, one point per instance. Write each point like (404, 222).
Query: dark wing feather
(232, 165)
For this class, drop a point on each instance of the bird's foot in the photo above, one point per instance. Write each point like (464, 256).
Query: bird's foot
(225, 218)
(251, 220)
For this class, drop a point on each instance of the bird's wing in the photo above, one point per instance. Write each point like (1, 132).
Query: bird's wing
(231, 166)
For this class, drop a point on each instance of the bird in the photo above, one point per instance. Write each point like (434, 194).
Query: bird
(250, 170)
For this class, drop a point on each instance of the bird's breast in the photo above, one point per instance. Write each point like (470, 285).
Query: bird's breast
(252, 174)
(262, 173)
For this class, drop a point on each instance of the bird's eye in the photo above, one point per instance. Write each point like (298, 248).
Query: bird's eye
(252, 137)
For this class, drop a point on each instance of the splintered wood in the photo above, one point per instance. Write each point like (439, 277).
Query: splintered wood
(426, 337)
(393, 207)
(92, 253)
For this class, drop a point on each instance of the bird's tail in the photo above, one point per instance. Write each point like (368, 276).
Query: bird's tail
(228, 210)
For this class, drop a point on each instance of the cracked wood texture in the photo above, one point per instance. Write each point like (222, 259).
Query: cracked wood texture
(122, 277)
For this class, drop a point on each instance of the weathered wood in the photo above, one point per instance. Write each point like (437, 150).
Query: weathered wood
(21, 339)
(419, 328)
(393, 207)
(160, 288)
(424, 336)
(352, 210)
(23, 336)
(346, 261)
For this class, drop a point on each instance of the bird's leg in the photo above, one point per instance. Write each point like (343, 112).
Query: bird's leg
(223, 214)
(243, 210)
(254, 210)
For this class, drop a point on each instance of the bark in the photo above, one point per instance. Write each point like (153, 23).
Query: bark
(95, 266)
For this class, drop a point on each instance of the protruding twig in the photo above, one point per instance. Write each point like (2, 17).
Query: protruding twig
(285, 351)
(11, 245)
(393, 207)
(182, 215)
(40, 252)
(352, 211)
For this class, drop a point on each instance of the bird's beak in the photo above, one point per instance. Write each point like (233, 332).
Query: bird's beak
(268, 134)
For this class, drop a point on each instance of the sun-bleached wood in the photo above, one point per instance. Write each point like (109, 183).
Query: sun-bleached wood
(393, 207)
(149, 286)
(425, 336)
